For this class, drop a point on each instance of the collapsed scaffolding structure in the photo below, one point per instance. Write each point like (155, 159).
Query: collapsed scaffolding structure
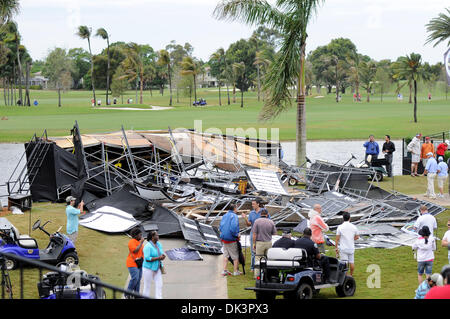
(182, 182)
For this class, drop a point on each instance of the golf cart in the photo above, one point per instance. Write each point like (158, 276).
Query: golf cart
(59, 249)
(199, 102)
(290, 273)
(55, 285)
(375, 166)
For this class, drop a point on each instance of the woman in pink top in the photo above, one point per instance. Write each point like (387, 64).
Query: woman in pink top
(318, 226)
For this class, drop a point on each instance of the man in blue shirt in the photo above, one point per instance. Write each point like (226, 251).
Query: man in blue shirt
(72, 218)
(229, 235)
(431, 171)
(252, 217)
(372, 148)
(442, 174)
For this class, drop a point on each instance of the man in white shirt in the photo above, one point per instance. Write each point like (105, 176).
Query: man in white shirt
(425, 219)
(446, 240)
(346, 235)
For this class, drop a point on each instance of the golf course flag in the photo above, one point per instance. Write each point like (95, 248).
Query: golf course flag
(447, 65)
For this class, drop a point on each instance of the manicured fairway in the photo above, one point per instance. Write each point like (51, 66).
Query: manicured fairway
(326, 120)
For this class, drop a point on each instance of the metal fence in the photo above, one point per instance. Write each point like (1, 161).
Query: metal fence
(7, 286)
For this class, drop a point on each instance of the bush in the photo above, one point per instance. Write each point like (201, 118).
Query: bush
(35, 87)
(446, 156)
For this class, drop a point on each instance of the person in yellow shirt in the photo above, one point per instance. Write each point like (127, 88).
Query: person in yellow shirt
(427, 147)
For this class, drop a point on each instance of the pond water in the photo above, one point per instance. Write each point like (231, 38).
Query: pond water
(337, 152)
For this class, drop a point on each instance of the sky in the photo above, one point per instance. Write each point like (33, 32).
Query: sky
(381, 29)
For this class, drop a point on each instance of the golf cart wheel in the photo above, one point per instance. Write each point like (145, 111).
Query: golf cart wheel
(347, 289)
(305, 291)
(10, 264)
(265, 296)
(100, 293)
(292, 181)
(379, 176)
(70, 258)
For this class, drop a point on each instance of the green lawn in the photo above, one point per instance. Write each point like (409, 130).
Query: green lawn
(326, 120)
(398, 267)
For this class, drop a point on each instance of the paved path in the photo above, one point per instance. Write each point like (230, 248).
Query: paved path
(191, 279)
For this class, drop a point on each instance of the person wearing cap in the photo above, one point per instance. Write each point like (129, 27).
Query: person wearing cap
(425, 151)
(442, 148)
(254, 214)
(441, 292)
(414, 148)
(372, 148)
(388, 150)
(72, 217)
(446, 240)
(263, 229)
(431, 281)
(442, 174)
(285, 241)
(135, 251)
(430, 171)
(425, 246)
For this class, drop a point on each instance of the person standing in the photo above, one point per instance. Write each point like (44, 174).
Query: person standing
(446, 240)
(442, 174)
(135, 251)
(425, 151)
(72, 217)
(285, 241)
(372, 148)
(152, 266)
(442, 148)
(425, 246)
(318, 226)
(257, 206)
(229, 235)
(426, 285)
(263, 229)
(388, 150)
(425, 219)
(414, 148)
(346, 234)
(431, 171)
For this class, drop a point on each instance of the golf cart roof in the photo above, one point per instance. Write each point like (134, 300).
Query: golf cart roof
(5, 224)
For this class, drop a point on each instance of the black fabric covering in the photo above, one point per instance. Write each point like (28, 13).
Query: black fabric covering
(44, 184)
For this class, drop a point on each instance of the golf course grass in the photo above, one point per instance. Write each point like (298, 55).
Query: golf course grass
(326, 119)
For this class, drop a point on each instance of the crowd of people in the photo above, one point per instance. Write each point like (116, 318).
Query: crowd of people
(313, 241)
(433, 161)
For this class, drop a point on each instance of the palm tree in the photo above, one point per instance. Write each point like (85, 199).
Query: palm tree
(85, 33)
(290, 18)
(219, 58)
(133, 66)
(102, 33)
(164, 60)
(8, 9)
(410, 68)
(190, 67)
(368, 71)
(261, 62)
(439, 29)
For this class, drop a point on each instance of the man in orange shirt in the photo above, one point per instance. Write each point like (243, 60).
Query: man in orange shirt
(318, 226)
(427, 147)
(135, 252)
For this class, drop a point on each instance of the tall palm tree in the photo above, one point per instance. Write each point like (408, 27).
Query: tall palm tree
(190, 67)
(368, 71)
(410, 68)
(261, 62)
(439, 29)
(102, 33)
(290, 18)
(8, 9)
(219, 58)
(85, 33)
(164, 60)
(134, 67)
